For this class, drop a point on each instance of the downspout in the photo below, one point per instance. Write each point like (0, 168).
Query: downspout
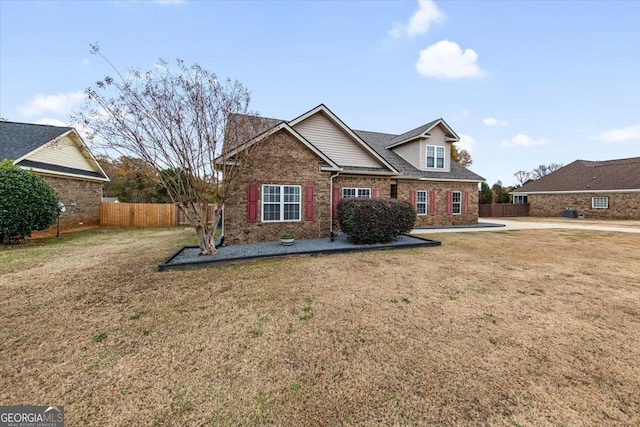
(331, 233)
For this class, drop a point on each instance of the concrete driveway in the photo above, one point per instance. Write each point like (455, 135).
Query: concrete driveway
(522, 224)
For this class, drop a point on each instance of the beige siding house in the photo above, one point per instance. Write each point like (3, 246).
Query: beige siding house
(300, 169)
(60, 156)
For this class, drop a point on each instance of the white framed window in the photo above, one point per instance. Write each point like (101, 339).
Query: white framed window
(456, 202)
(421, 202)
(520, 200)
(356, 192)
(281, 203)
(600, 202)
(435, 157)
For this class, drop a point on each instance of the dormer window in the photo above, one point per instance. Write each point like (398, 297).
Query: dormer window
(435, 157)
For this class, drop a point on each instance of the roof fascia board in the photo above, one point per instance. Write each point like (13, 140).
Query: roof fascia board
(75, 134)
(450, 179)
(524, 193)
(63, 174)
(345, 129)
(346, 171)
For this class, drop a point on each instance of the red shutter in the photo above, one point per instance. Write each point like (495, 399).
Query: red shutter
(252, 203)
(376, 193)
(336, 199)
(412, 196)
(308, 203)
(432, 202)
(465, 201)
(449, 202)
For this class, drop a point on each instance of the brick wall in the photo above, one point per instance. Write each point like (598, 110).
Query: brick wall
(440, 188)
(281, 160)
(621, 205)
(86, 195)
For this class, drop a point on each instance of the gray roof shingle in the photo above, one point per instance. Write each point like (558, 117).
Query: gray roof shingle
(18, 139)
(379, 141)
(584, 175)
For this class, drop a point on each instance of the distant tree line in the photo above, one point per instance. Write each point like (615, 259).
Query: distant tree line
(499, 194)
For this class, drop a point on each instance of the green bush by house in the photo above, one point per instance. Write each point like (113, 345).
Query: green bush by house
(27, 202)
(375, 220)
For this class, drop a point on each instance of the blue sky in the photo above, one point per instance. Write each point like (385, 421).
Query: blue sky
(523, 83)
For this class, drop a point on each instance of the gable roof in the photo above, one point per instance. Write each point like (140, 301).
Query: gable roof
(380, 142)
(24, 142)
(377, 142)
(322, 109)
(588, 176)
(422, 131)
(19, 139)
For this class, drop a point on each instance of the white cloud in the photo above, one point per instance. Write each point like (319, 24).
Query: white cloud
(85, 62)
(522, 140)
(619, 135)
(467, 142)
(492, 121)
(61, 103)
(465, 113)
(446, 60)
(169, 1)
(420, 22)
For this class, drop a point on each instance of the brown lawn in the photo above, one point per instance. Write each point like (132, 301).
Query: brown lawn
(519, 328)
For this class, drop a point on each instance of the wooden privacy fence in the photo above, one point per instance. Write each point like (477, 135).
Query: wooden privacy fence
(145, 214)
(503, 209)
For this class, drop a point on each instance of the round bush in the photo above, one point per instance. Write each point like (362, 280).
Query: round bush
(368, 221)
(27, 202)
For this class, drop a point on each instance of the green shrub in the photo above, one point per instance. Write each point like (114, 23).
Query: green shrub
(368, 221)
(27, 202)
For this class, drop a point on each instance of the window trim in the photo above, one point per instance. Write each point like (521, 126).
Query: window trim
(357, 191)
(425, 203)
(436, 157)
(281, 203)
(595, 205)
(454, 203)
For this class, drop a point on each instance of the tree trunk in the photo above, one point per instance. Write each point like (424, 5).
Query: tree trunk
(198, 217)
(207, 238)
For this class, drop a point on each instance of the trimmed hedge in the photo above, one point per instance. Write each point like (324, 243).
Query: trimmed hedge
(368, 221)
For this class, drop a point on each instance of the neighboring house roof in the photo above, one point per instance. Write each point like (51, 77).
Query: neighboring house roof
(588, 176)
(375, 143)
(19, 139)
(51, 150)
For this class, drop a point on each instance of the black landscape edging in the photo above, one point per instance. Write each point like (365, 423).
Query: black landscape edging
(167, 264)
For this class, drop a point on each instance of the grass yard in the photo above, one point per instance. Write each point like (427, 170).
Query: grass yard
(505, 328)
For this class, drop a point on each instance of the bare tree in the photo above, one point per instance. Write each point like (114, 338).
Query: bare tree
(522, 177)
(543, 170)
(174, 119)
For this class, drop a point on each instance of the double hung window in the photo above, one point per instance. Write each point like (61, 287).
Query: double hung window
(281, 203)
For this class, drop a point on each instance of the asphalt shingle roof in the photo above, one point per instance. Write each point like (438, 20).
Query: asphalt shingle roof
(379, 141)
(584, 175)
(18, 139)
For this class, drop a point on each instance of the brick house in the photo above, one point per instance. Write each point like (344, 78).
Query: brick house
(299, 169)
(59, 155)
(603, 189)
